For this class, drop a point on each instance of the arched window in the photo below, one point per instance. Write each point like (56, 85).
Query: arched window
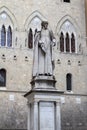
(72, 43)
(69, 82)
(3, 36)
(2, 77)
(30, 39)
(67, 43)
(62, 42)
(9, 37)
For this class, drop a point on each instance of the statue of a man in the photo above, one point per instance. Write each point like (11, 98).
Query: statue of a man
(43, 60)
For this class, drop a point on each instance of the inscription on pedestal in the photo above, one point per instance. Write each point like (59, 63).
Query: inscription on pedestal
(46, 116)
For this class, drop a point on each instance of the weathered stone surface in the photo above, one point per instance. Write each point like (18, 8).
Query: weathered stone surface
(13, 112)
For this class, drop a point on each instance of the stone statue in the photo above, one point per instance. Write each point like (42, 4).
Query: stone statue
(43, 60)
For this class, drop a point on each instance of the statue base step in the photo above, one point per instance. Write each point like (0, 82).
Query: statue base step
(43, 82)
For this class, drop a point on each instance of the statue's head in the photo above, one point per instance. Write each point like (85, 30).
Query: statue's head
(44, 24)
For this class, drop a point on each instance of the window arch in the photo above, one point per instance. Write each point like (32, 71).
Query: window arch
(30, 39)
(2, 77)
(3, 36)
(61, 42)
(69, 34)
(8, 23)
(9, 37)
(34, 26)
(69, 82)
(72, 43)
(67, 43)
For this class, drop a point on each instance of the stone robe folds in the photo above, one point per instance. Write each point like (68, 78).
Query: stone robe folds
(42, 63)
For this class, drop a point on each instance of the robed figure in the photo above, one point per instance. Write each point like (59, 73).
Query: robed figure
(43, 57)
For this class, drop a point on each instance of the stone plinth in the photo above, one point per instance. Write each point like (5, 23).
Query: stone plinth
(44, 105)
(43, 82)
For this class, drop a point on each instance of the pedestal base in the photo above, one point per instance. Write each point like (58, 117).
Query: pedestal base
(44, 110)
(44, 104)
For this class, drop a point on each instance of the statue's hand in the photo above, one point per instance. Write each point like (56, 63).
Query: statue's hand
(54, 42)
(41, 45)
(40, 42)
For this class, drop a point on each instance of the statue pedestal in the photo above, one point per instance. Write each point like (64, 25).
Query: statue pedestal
(43, 82)
(43, 105)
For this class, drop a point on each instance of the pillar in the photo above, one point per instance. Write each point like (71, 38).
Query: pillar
(35, 115)
(58, 116)
(28, 124)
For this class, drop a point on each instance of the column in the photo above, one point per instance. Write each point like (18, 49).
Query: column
(35, 116)
(70, 44)
(33, 32)
(58, 43)
(76, 47)
(64, 43)
(6, 36)
(0, 37)
(28, 123)
(58, 116)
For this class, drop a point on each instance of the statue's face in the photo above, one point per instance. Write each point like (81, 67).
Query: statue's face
(45, 25)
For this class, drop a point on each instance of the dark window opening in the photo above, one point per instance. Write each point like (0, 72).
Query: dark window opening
(68, 1)
(30, 39)
(72, 43)
(9, 37)
(69, 82)
(3, 36)
(67, 43)
(62, 42)
(3, 56)
(3, 77)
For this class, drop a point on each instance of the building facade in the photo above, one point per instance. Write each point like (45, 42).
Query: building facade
(19, 21)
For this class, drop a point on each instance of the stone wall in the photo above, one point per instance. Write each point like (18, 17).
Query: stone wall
(74, 112)
(13, 111)
(86, 14)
